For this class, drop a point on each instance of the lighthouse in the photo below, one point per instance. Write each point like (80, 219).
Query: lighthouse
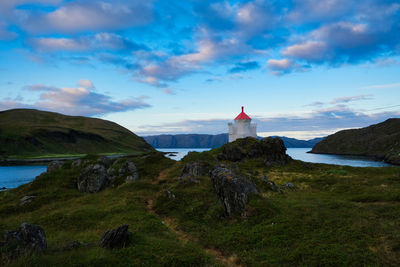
(242, 127)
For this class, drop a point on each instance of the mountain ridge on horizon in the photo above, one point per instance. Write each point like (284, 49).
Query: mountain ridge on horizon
(213, 141)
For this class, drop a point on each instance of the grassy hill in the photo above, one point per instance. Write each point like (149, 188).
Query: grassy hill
(381, 141)
(29, 133)
(336, 216)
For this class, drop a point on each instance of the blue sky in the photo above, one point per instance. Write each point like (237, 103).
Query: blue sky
(301, 68)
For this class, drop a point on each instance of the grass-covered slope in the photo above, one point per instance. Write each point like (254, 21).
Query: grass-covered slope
(336, 216)
(380, 140)
(27, 132)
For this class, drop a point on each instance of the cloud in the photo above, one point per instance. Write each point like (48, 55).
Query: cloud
(283, 66)
(85, 83)
(383, 86)
(84, 16)
(75, 101)
(244, 66)
(347, 99)
(168, 91)
(101, 41)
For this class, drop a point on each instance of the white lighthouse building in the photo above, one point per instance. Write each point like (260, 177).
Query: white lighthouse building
(242, 127)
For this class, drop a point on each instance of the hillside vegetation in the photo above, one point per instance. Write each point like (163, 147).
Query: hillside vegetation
(28, 133)
(333, 216)
(381, 141)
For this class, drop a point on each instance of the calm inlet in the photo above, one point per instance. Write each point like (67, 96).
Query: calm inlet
(296, 153)
(14, 176)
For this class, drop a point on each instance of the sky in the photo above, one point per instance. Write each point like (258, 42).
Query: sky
(301, 68)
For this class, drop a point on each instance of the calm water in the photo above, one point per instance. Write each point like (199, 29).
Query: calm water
(297, 153)
(14, 176)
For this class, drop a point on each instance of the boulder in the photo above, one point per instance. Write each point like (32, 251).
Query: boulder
(288, 186)
(115, 238)
(27, 239)
(105, 161)
(54, 165)
(232, 190)
(73, 245)
(129, 170)
(193, 169)
(270, 150)
(76, 163)
(93, 178)
(27, 199)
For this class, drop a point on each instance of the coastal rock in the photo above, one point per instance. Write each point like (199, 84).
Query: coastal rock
(129, 170)
(76, 163)
(115, 238)
(27, 239)
(54, 165)
(27, 199)
(288, 186)
(232, 190)
(193, 169)
(73, 245)
(270, 150)
(93, 178)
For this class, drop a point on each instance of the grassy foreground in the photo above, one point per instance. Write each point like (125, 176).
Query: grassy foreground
(337, 216)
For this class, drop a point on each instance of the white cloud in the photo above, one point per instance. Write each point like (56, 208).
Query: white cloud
(76, 100)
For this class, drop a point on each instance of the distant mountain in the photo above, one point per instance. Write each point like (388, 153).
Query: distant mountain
(381, 141)
(211, 141)
(28, 132)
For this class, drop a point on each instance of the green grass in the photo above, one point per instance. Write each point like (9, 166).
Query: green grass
(26, 133)
(337, 216)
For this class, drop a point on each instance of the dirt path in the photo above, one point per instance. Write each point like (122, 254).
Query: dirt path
(172, 225)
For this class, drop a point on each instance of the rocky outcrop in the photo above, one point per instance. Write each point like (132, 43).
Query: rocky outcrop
(27, 199)
(93, 178)
(270, 150)
(129, 171)
(193, 169)
(232, 190)
(115, 238)
(54, 165)
(27, 239)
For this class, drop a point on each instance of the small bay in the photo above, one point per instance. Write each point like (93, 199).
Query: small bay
(296, 153)
(14, 176)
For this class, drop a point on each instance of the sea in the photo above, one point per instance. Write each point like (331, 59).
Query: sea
(14, 176)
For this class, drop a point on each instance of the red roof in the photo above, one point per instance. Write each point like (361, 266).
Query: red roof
(242, 116)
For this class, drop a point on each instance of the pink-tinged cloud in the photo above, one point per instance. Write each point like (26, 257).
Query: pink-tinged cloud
(283, 66)
(76, 101)
(311, 51)
(97, 42)
(84, 16)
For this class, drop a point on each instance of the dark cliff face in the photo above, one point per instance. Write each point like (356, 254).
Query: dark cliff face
(381, 141)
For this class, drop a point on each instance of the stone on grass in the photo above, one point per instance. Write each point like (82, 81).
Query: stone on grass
(115, 238)
(129, 170)
(27, 199)
(232, 190)
(27, 239)
(93, 178)
(54, 165)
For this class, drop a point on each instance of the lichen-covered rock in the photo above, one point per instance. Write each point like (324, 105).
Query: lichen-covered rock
(27, 199)
(76, 163)
(270, 150)
(73, 245)
(288, 186)
(129, 170)
(54, 165)
(115, 238)
(232, 190)
(27, 239)
(93, 178)
(193, 169)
